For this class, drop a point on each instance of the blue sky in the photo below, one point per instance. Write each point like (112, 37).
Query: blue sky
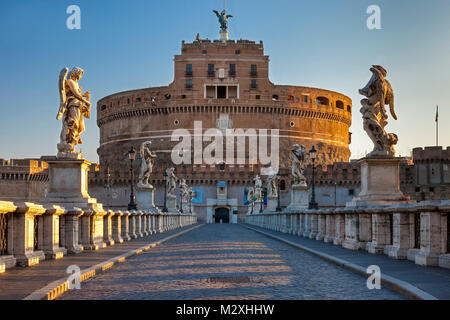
(130, 44)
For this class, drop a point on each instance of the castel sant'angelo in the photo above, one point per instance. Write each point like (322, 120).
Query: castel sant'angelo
(224, 84)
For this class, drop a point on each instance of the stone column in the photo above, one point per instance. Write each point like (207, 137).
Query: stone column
(307, 224)
(401, 237)
(138, 220)
(117, 227)
(108, 228)
(71, 230)
(125, 225)
(430, 239)
(330, 227)
(352, 232)
(339, 229)
(50, 242)
(23, 236)
(321, 227)
(144, 220)
(132, 224)
(314, 225)
(301, 224)
(92, 230)
(381, 233)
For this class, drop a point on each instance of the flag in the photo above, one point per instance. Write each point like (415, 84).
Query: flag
(437, 114)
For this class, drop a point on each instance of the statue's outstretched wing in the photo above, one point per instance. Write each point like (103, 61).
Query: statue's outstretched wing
(229, 16)
(62, 92)
(216, 12)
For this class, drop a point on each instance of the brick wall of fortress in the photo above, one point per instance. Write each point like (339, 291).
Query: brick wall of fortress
(303, 115)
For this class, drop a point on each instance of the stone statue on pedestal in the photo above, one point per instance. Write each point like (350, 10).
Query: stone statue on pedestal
(272, 185)
(258, 188)
(184, 190)
(251, 195)
(298, 164)
(74, 107)
(379, 93)
(146, 165)
(171, 182)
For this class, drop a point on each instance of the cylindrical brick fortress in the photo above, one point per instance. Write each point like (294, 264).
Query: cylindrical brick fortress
(224, 85)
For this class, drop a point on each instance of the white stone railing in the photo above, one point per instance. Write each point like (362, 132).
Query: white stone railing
(32, 232)
(418, 232)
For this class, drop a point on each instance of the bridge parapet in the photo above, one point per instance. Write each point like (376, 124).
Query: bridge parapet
(30, 233)
(419, 232)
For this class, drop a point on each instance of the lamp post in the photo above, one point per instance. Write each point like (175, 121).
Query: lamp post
(132, 156)
(313, 204)
(278, 193)
(181, 203)
(164, 209)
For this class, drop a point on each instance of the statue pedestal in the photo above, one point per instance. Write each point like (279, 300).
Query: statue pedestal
(223, 35)
(380, 183)
(272, 204)
(68, 184)
(257, 207)
(299, 197)
(171, 203)
(145, 197)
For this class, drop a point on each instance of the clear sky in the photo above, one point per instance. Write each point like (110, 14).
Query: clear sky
(129, 44)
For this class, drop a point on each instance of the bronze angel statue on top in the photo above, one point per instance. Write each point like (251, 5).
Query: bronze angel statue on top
(74, 107)
(223, 19)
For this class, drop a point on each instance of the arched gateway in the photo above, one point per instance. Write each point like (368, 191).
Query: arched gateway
(222, 214)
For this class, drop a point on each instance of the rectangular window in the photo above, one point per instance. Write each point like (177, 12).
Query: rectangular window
(232, 70)
(232, 92)
(188, 83)
(210, 92)
(253, 71)
(305, 99)
(210, 70)
(253, 84)
(189, 69)
(221, 92)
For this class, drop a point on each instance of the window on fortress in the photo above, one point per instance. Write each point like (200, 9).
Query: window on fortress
(290, 98)
(349, 108)
(210, 69)
(188, 83)
(305, 99)
(275, 97)
(253, 84)
(189, 69)
(138, 99)
(232, 70)
(322, 101)
(253, 71)
(339, 104)
(103, 107)
(237, 52)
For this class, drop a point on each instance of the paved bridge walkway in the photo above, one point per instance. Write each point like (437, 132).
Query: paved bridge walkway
(223, 261)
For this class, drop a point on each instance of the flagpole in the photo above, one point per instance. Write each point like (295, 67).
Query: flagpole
(437, 126)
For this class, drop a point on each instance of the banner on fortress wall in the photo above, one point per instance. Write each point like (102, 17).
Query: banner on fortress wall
(198, 195)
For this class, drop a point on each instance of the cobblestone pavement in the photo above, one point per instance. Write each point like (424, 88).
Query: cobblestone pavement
(222, 261)
(17, 283)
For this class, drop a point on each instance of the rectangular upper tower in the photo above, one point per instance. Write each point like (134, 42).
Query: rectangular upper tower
(221, 69)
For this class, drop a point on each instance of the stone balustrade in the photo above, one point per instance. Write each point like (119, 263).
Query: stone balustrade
(419, 232)
(30, 233)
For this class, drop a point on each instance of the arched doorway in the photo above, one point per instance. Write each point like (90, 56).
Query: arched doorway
(222, 214)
